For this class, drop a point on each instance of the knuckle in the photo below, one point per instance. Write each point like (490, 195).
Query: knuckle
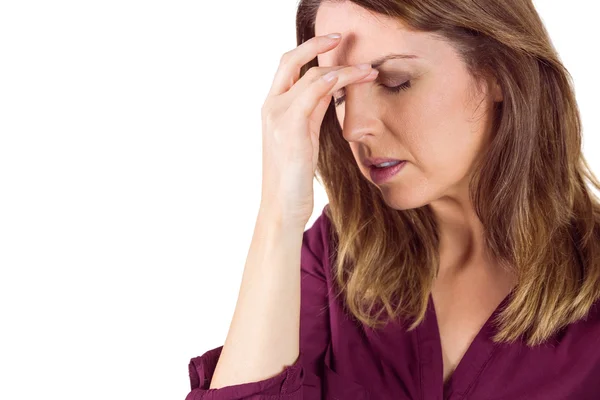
(267, 106)
(298, 111)
(268, 118)
(313, 73)
(264, 108)
(286, 58)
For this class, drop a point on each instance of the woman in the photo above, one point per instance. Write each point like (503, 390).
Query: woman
(468, 270)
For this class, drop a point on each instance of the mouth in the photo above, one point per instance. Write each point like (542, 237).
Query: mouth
(382, 174)
(379, 161)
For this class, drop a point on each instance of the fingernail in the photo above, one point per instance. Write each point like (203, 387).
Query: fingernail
(334, 36)
(363, 66)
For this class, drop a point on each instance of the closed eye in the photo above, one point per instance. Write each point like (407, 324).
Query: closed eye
(393, 89)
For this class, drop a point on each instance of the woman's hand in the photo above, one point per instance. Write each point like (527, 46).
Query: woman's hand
(291, 122)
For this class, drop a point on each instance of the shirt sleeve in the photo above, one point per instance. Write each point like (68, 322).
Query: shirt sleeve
(302, 379)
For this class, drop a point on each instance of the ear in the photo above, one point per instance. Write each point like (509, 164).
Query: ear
(496, 90)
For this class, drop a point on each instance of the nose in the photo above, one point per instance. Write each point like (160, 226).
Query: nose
(360, 115)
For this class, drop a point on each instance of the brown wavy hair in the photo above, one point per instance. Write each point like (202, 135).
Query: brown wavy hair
(541, 220)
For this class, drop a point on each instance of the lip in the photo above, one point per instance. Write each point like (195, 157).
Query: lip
(381, 175)
(368, 162)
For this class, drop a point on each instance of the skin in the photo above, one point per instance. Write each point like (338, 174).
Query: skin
(439, 125)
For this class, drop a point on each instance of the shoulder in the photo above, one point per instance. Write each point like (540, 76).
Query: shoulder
(315, 254)
(316, 237)
(579, 337)
(589, 325)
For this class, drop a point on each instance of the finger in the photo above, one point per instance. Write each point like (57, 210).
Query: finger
(352, 72)
(304, 105)
(292, 61)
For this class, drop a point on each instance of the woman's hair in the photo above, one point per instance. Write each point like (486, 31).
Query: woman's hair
(528, 187)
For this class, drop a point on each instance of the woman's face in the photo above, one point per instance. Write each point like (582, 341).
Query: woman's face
(438, 122)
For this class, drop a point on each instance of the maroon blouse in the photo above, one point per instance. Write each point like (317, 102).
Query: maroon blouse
(341, 358)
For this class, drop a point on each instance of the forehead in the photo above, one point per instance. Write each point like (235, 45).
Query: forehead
(367, 35)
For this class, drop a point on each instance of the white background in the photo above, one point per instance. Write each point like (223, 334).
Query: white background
(130, 173)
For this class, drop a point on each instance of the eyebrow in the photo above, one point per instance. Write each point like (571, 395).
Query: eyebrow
(377, 62)
(392, 56)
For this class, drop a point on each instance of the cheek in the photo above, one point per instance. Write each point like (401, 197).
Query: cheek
(439, 134)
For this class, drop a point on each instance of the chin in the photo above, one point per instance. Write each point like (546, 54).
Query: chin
(400, 199)
(406, 192)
